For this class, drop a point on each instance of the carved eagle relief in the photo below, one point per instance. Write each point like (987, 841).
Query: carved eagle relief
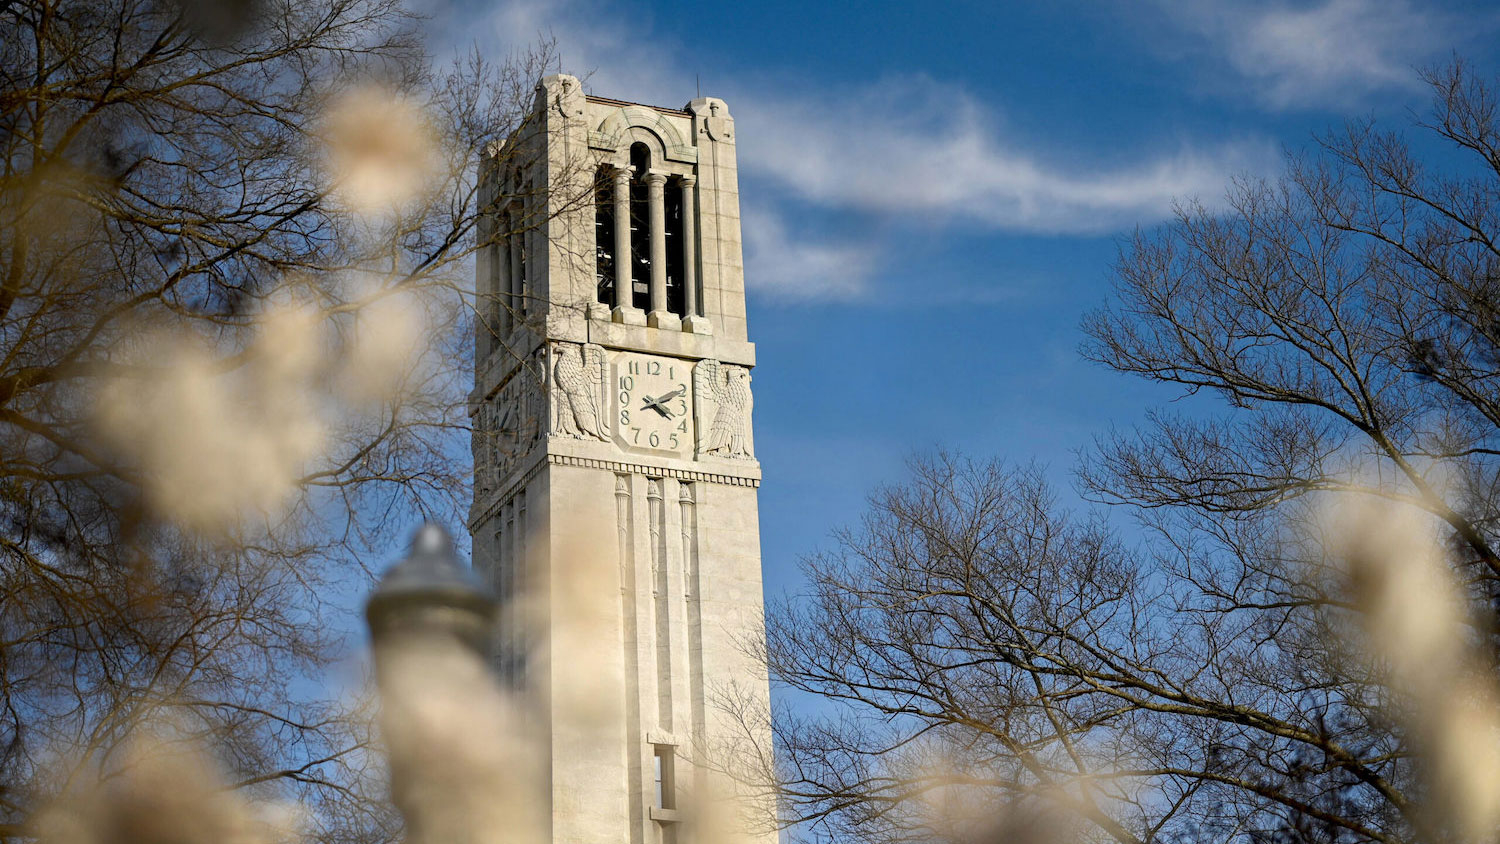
(723, 404)
(578, 391)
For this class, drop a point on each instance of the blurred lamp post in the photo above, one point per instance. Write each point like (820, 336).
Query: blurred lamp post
(427, 609)
(430, 594)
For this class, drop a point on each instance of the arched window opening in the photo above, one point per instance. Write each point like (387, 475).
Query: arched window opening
(604, 236)
(640, 159)
(640, 228)
(676, 293)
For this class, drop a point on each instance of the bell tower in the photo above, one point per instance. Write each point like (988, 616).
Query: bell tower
(615, 473)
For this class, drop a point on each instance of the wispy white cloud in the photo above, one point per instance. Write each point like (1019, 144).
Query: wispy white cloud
(1329, 53)
(791, 268)
(596, 42)
(918, 148)
(933, 154)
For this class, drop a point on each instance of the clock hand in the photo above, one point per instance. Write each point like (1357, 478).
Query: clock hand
(659, 404)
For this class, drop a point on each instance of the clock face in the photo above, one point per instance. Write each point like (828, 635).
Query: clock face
(652, 404)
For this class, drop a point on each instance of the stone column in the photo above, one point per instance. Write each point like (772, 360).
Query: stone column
(625, 310)
(692, 322)
(659, 317)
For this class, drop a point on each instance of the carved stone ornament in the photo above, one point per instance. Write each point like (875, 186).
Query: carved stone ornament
(509, 425)
(578, 405)
(723, 402)
(719, 128)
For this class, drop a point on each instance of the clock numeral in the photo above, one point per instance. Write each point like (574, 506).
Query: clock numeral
(682, 426)
(626, 382)
(635, 367)
(653, 440)
(653, 367)
(674, 441)
(624, 417)
(637, 438)
(624, 397)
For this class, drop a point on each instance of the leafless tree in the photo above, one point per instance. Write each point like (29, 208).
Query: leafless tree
(982, 648)
(204, 215)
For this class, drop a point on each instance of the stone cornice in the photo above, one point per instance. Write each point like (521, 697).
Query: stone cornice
(692, 475)
(532, 465)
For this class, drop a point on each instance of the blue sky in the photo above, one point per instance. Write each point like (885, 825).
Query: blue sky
(932, 194)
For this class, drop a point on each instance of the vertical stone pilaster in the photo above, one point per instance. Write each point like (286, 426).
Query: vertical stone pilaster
(661, 602)
(691, 321)
(681, 615)
(485, 230)
(721, 255)
(644, 551)
(516, 583)
(531, 238)
(630, 641)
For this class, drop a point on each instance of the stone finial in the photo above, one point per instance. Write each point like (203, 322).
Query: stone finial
(421, 590)
(711, 117)
(563, 93)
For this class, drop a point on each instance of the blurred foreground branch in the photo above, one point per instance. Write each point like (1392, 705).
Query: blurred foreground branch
(234, 345)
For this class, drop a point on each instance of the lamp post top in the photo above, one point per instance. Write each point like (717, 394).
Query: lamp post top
(431, 575)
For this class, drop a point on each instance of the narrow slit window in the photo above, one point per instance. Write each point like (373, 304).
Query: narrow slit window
(665, 798)
(640, 228)
(499, 278)
(523, 290)
(676, 294)
(604, 237)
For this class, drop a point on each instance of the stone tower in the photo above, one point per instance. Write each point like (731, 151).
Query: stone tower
(615, 491)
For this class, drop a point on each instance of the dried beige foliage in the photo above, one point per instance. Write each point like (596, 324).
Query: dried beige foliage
(210, 434)
(1417, 630)
(213, 444)
(952, 809)
(389, 341)
(220, 436)
(163, 790)
(379, 149)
